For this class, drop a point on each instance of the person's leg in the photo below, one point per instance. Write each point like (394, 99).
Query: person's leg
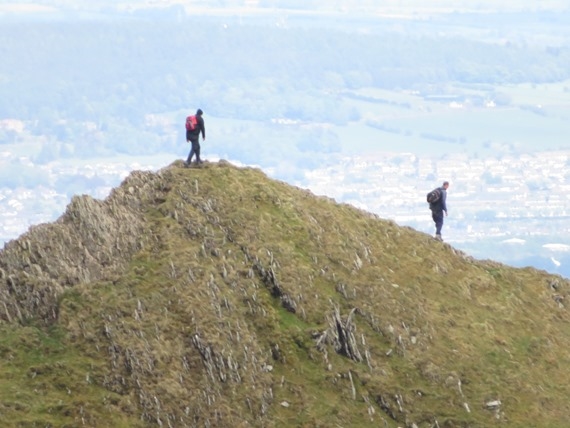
(194, 151)
(438, 226)
(438, 220)
(190, 155)
(197, 151)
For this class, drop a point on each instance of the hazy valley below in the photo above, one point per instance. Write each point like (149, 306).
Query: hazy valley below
(373, 109)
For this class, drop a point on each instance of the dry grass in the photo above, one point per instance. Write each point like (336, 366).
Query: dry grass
(247, 302)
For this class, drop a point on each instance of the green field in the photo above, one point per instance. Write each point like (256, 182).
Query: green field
(536, 118)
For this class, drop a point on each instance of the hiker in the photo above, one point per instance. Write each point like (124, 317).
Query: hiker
(195, 126)
(438, 208)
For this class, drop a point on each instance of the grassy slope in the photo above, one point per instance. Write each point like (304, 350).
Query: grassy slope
(196, 330)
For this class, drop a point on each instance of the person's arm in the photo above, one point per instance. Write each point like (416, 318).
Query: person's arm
(203, 128)
(444, 201)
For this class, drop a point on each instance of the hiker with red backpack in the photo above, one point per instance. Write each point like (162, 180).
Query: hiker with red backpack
(437, 204)
(195, 126)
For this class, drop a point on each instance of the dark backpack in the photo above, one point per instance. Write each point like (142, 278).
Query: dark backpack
(191, 123)
(433, 196)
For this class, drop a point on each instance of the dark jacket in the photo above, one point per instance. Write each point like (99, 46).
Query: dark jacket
(195, 134)
(440, 205)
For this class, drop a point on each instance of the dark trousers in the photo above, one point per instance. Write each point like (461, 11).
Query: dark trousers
(437, 216)
(195, 150)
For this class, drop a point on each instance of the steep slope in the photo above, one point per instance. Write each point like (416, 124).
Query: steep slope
(219, 297)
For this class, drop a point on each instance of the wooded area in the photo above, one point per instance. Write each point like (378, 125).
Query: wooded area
(88, 87)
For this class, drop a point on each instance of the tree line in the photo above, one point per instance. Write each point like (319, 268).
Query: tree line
(113, 73)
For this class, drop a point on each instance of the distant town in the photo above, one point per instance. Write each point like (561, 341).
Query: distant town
(508, 196)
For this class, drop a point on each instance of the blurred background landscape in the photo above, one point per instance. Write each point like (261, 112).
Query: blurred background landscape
(372, 103)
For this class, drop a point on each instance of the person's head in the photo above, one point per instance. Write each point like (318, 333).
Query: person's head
(199, 112)
(445, 184)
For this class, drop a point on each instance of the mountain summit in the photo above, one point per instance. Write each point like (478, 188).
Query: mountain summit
(217, 297)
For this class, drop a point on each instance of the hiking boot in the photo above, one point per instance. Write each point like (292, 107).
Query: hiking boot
(438, 237)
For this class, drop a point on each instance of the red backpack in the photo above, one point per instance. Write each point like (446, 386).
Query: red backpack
(191, 123)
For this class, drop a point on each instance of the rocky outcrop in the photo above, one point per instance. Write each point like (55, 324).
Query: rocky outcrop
(91, 241)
